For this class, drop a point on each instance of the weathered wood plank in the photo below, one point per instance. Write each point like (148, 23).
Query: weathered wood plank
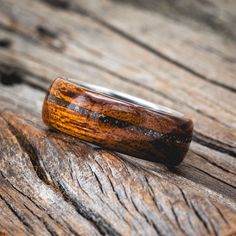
(208, 55)
(54, 184)
(55, 64)
(207, 173)
(211, 15)
(34, 70)
(49, 182)
(73, 68)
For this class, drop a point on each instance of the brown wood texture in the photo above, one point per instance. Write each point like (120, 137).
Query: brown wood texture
(115, 124)
(180, 55)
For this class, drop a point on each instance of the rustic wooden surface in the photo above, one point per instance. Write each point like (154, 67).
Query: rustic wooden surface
(180, 54)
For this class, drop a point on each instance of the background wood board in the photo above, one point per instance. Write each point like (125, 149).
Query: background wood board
(200, 45)
(60, 185)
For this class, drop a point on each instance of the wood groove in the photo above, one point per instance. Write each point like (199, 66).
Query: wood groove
(103, 227)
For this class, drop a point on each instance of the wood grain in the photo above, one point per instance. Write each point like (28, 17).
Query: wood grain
(203, 44)
(54, 184)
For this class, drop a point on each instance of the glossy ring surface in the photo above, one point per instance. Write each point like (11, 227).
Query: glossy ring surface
(118, 121)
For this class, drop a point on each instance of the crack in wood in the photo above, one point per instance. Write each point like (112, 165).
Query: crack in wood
(220, 213)
(41, 219)
(29, 149)
(118, 197)
(177, 220)
(214, 163)
(212, 176)
(19, 215)
(213, 144)
(99, 222)
(202, 220)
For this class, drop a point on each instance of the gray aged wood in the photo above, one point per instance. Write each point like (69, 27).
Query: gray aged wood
(53, 184)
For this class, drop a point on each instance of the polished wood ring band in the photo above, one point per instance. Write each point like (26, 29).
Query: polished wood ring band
(114, 122)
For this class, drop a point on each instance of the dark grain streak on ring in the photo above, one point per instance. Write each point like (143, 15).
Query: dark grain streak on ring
(96, 116)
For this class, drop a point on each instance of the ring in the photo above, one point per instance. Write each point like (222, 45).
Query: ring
(118, 121)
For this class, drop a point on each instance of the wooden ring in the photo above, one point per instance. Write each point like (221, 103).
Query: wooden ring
(118, 122)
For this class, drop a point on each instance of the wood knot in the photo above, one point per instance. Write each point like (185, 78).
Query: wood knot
(5, 43)
(10, 75)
